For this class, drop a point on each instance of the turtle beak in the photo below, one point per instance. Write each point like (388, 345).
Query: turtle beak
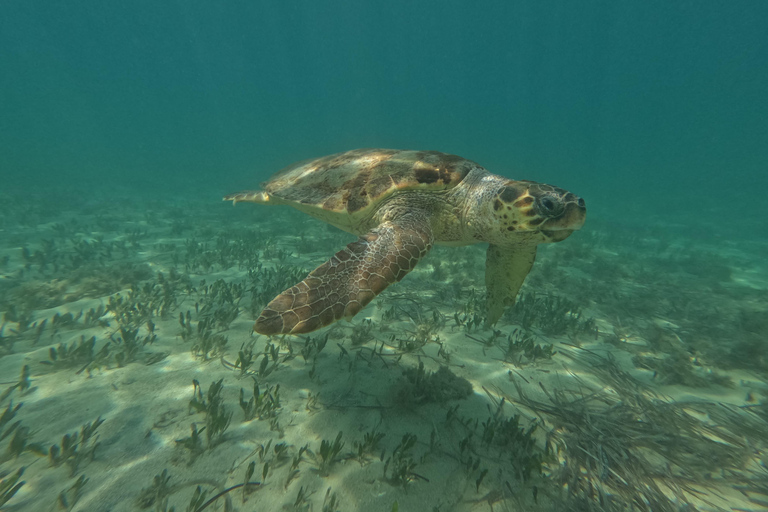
(569, 217)
(557, 235)
(576, 211)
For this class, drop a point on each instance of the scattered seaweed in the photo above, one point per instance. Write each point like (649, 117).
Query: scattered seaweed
(69, 497)
(331, 501)
(678, 367)
(425, 331)
(157, 495)
(263, 404)
(607, 468)
(217, 418)
(6, 341)
(471, 315)
(419, 386)
(266, 283)
(327, 455)
(219, 303)
(361, 332)
(22, 385)
(313, 346)
(368, 446)
(399, 467)
(10, 486)
(245, 359)
(519, 347)
(76, 448)
(126, 346)
(207, 341)
(18, 435)
(554, 315)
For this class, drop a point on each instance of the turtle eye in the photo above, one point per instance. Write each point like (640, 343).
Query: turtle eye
(549, 206)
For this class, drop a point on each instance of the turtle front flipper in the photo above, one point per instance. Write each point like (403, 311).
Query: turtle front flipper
(505, 271)
(345, 284)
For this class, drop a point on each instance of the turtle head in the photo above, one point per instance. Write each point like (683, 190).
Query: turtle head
(531, 211)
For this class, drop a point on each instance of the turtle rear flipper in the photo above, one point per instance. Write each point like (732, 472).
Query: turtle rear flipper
(505, 271)
(248, 196)
(345, 284)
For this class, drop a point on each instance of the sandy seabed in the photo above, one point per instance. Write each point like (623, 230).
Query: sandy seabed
(630, 376)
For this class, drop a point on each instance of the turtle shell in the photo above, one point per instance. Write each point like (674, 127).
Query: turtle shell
(352, 181)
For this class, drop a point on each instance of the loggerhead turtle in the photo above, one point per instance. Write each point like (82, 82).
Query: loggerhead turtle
(400, 203)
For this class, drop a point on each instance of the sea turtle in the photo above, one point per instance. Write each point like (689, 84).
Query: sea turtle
(400, 203)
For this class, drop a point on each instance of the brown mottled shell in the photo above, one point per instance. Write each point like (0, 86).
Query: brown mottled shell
(352, 181)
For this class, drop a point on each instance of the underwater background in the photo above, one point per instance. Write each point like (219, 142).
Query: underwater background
(631, 375)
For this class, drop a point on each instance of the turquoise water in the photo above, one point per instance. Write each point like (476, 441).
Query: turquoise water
(646, 96)
(122, 124)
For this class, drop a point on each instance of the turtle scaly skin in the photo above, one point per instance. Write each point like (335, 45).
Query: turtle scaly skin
(401, 203)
